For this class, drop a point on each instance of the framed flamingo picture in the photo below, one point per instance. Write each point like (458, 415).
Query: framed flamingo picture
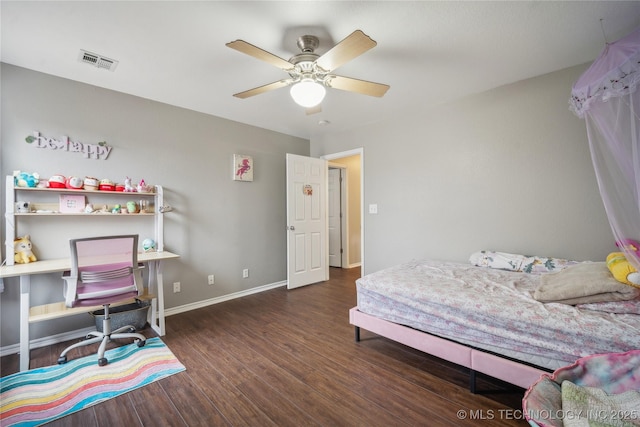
(242, 167)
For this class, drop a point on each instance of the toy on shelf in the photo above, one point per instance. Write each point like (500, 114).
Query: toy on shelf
(143, 187)
(23, 207)
(148, 245)
(106, 185)
(22, 253)
(128, 187)
(116, 209)
(91, 183)
(29, 180)
(132, 207)
(57, 181)
(74, 183)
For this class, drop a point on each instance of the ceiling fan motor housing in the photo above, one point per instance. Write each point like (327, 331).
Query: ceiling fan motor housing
(308, 44)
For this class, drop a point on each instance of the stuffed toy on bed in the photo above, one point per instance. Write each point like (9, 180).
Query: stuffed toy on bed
(622, 269)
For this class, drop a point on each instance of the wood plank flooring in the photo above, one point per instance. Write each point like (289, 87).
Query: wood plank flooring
(288, 358)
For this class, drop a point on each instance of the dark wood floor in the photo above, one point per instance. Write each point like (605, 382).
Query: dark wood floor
(288, 358)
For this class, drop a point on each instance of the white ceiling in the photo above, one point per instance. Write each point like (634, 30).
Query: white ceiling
(428, 52)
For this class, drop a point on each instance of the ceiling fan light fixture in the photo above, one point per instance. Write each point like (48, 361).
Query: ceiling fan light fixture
(308, 93)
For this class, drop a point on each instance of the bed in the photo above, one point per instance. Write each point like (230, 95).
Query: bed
(509, 321)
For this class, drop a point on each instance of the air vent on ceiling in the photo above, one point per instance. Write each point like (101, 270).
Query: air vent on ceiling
(97, 60)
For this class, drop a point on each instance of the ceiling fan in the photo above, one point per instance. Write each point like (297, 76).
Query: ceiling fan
(311, 73)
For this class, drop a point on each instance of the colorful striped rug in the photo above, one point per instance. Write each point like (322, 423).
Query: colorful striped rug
(38, 396)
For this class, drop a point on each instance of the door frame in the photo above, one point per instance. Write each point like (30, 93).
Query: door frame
(344, 213)
(348, 153)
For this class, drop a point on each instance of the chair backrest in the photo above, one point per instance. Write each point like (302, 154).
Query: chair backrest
(104, 269)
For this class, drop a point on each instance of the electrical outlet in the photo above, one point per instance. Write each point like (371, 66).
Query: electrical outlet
(176, 287)
(245, 273)
(211, 279)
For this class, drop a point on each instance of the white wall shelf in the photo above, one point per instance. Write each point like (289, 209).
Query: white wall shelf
(99, 198)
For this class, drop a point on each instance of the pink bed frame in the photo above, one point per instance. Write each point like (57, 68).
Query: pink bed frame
(495, 366)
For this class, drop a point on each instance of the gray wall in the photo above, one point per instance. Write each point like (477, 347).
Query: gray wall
(218, 226)
(506, 170)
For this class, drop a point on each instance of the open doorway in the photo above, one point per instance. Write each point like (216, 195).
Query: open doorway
(350, 165)
(337, 207)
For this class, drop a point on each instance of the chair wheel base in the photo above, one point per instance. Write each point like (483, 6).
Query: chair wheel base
(102, 361)
(141, 343)
(62, 360)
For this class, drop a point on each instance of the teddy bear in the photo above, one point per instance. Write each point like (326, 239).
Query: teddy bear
(622, 269)
(22, 250)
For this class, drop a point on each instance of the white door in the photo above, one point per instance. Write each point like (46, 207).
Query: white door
(307, 246)
(335, 217)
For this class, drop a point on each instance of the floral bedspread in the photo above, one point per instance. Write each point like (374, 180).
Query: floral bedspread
(492, 309)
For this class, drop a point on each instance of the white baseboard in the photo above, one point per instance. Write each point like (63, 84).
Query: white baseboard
(223, 298)
(78, 333)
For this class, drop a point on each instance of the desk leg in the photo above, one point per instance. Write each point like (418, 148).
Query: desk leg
(156, 287)
(25, 289)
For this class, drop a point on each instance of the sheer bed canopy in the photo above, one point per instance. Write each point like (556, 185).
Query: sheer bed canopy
(606, 97)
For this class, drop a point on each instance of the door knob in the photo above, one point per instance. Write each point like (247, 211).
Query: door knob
(291, 227)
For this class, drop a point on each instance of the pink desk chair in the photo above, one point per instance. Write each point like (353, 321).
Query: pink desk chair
(104, 270)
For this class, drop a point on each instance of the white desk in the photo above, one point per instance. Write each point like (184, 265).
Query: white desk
(51, 311)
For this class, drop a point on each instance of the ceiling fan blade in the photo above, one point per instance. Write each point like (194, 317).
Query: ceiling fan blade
(354, 45)
(313, 110)
(263, 55)
(262, 89)
(360, 86)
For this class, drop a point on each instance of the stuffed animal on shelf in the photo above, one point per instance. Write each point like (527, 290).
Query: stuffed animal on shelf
(128, 187)
(23, 179)
(148, 245)
(22, 252)
(622, 269)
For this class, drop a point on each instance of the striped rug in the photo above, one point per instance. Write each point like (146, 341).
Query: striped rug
(38, 396)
